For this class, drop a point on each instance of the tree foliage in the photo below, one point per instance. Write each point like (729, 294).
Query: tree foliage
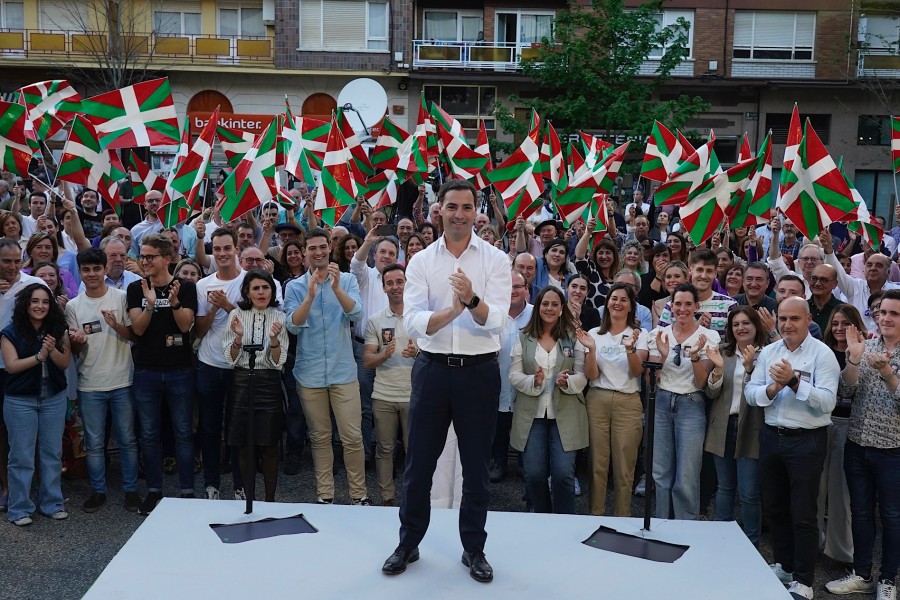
(589, 74)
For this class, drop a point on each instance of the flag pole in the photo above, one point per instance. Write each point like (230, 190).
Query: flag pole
(896, 195)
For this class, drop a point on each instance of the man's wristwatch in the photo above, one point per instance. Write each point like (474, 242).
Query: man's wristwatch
(474, 303)
(794, 381)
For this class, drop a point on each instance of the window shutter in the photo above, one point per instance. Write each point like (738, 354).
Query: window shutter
(344, 25)
(806, 30)
(774, 30)
(743, 29)
(311, 23)
(881, 31)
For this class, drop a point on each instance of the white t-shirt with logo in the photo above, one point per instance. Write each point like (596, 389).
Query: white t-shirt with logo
(613, 361)
(105, 362)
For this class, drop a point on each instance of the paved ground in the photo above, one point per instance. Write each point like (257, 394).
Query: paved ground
(62, 559)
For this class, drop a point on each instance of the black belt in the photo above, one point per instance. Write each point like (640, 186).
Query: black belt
(790, 431)
(460, 360)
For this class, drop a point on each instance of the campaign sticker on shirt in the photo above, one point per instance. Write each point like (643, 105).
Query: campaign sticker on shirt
(387, 335)
(92, 327)
(174, 340)
(803, 376)
(567, 352)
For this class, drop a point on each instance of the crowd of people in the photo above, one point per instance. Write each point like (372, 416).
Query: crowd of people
(777, 392)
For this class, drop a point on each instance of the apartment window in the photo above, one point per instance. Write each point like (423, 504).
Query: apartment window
(176, 23)
(12, 15)
(877, 187)
(774, 35)
(241, 22)
(344, 25)
(523, 28)
(669, 18)
(468, 103)
(453, 26)
(879, 32)
(779, 123)
(71, 16)
(873, 130)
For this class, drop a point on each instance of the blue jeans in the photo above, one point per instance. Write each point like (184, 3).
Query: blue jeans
(366, 379)
(872, 474)
(741, 475)
(93, 407)
(295, 423)
(178, 388)
(213, 385)
(35, 422)
(680, 429)
(544, 456)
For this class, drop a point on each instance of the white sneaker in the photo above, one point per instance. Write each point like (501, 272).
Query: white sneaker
(886, 590)
(212, 493)
(782, 575)
(801, 590)
(22, 522)
(851, 583)
(641, 488)
(59, 515)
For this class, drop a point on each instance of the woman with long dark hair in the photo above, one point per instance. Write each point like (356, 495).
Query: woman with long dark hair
(549, 419)
(257, 322)
(344, 251)
(614, 409)
(552, 268)
(653, 286)
(292, 261)
(36, 352)
(600, 267)
(677, 247)
(585, 316)
(732, 435)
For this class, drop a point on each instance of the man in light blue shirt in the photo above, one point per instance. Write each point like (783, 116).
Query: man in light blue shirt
(321, 305)
(796, 380)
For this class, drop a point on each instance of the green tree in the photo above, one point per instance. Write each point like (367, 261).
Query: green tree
(588, 74)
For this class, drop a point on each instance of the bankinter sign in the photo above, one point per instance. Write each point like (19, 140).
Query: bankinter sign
(252, 123)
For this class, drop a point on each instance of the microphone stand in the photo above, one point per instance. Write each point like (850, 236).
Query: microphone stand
(250, 486)
(652, 367)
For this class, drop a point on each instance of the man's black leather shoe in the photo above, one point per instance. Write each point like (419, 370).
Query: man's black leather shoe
(479, 568)
(396, 562)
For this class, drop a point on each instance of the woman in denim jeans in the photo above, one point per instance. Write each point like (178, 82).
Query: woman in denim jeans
(35, 349)
(680, 417)
(549, 418)
(732, 436)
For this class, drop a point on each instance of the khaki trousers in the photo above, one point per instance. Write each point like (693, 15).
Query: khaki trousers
(343, 399)
(390, 417)
(615, 427)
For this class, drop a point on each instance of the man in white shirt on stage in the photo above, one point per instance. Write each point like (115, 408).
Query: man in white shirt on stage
(456, 303)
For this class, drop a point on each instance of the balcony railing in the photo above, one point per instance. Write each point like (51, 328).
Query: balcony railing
(494, 56)
(39, 44)
(878, 62)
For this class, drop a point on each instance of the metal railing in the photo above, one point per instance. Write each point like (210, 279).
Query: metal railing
(496, 56)
(189, 49)
(878, 62)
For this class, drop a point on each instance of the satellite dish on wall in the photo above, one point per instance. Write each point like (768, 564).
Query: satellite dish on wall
(367, 99)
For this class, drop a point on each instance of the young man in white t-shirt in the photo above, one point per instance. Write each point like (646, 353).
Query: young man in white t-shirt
(99, 318)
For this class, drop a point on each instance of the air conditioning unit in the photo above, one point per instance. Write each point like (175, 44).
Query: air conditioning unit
(268, 12)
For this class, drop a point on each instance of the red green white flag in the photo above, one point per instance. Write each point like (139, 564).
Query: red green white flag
(306, 140)
(50, 104)
(751, 205)
(86, 163)
(253, 181)
(690, 175)
(663, 154)
(351, 140)
(143, 178)
(142, 114)
(16, 147)
(794, 136)
(598, 210)
(234, 143)
(594, 149)
(817, 193)
(517, 179)
(580, 192)
(705, 207)
(382, 189)
(483, 148)
(463, 162)
(895, 143)
(865, 225)
(553, 161)
(188, 175)
(389, 145)
(745, 153)
(339, 185)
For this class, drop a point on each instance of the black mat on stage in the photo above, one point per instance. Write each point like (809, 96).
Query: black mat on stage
(630, 545)
(235, 533)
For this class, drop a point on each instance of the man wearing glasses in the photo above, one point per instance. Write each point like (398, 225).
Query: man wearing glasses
(822, 303)
(162, 309)
(810, 256)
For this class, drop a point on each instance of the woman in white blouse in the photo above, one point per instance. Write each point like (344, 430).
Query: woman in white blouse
(549, 418)
(614, 407)
(680, 417)
(257, 322)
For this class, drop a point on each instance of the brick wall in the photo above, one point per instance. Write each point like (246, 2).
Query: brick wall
(708, 26)
(287, 39)
(832, 40)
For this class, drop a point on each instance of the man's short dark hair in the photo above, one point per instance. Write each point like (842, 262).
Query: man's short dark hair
(457, 184)
(704, 256)
(758, 265)
(886, 295)
(225, 231)
(389, 240)
(792, 277)
(91, 256)
(317, 232)
(390, 268)
(39, 194)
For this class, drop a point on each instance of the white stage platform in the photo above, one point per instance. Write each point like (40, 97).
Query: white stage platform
(175, 554)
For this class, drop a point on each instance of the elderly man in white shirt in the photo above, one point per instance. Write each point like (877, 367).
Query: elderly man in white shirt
(796, 381)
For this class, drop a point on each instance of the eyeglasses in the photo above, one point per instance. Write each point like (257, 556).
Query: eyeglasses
(816, 280)
(148, 257)
(254, 261)
(677, 358)
(809, 259)
(519, 287)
